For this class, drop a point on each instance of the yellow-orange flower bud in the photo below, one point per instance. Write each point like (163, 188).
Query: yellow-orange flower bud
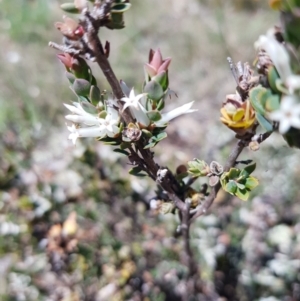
(239, 116)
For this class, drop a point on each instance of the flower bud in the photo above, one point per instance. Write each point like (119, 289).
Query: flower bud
(237, 115)
(157, 68)
(198, 168)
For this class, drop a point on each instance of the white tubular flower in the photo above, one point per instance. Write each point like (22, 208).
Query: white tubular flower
(277, 53)
(74, 133)
(136, 108)
(96, 126)
(80, 115)
(288, 115)
(166, 117)
(108, 126)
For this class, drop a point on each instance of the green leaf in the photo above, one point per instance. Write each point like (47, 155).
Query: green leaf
(182, 175)
(83, 99)
(120, 8)
(161, 136)
(233, 173)
(87, 106)
(223, 181)
(161, 79)
(272, 77)
(103, 114)
(70, 8)
(251, 183)
(81, 87)
(93, 80)
(240, 185)
(70, 76)
(116, 21)
(81, 69)
(250, 168)
(95, 95)
(124, 145)
(273, 103)
(160, 105)
(135, 171)
(154, 115)
(110, 141)
(147, 133)
(154, 90)
(150, 145)
(113, 143)
(231, 187)
(264, 123)
(121, 151)
(256, 97)
(281, 87)
(244, 174)
(242, 194)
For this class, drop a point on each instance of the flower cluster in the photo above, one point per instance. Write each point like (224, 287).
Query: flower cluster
(92, 125)
(270, 99)
(144, 117)
(288, 114)
(278, 61)
(93, 116)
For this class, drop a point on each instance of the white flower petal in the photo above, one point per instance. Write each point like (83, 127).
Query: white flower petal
(87, 119)
(284, 126)
(74, 134)
(140, 115)
(287, 104)
(288, 114)
(93, 131)
(295, 122)
(131, 94)
(186, 108)
(113, 113)
(115, 129)
(73, 109)
(73, 137)
(138, 97)
(276, 115)
(109, 128)
(126, 105)
(136, 108)
(95, 126)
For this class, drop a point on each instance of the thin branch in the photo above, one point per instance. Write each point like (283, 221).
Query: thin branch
(185, 229)
(104, 64)
(236, 151)
(168, 183)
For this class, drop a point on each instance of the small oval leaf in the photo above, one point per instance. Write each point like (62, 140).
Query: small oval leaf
(70, 8)
(231, 187)
(242, 194)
